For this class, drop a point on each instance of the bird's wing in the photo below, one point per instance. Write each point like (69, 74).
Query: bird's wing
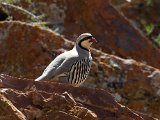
(65, 66)
(51, 69)
(59, 65)
(55, 64)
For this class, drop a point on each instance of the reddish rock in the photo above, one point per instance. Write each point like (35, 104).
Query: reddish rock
(64, 100)
(8, 110)
(110, 27)
(134, 84)
(142, 14)
(22, 43)
(60, 116)
(114, 32)
(17, 13)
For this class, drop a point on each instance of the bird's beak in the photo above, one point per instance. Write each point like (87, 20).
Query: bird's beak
(93, 40)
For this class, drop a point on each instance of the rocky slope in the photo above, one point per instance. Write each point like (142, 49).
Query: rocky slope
(118, 75)
(27, 48)
(108, 25)
(55, 101)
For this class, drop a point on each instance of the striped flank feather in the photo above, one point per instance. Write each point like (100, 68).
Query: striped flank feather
(79, 71)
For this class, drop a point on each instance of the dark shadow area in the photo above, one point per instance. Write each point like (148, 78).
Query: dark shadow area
(3, 15)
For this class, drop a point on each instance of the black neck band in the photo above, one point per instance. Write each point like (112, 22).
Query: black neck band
(79, 44)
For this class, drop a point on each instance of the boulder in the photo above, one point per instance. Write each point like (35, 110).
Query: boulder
(51, 100)
(22, 43)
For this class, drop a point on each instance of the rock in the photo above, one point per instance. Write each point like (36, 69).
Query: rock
(28, 56)
(51, 100)
(8, 110)
(22, 43)
(143, 14)
(113, 31)
(155, 81)
(60, 116)
(136, 83)
(17, 13)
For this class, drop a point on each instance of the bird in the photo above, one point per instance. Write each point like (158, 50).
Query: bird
(74, 65)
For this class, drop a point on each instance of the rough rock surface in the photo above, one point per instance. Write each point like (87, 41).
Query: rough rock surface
(142, 14)
(45, 100)
(22, 43)
(28, 56)
(8, 110)
(13, 12)
(113, 30)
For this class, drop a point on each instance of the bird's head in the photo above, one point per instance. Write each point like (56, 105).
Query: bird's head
(85, 40)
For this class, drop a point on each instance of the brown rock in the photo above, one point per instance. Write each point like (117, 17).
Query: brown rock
(114, 32)
(8, 110)
(142, 14)
(33, 44)
(17, 13)
(110, 27)
(87, 103)
(136, 83)
(60, 116)
(32, 112)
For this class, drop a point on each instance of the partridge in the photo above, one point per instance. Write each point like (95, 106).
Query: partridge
(73, 65)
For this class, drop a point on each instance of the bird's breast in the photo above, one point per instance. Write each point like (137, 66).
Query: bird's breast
(79, 71)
